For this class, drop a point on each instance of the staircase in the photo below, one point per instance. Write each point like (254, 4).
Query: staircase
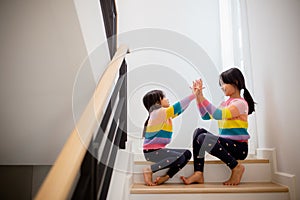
(256, 183)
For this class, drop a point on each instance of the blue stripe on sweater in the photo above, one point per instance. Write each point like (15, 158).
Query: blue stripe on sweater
(233, 131)
(161, 134)
(217, 114)
(206, 117)
(177, 108)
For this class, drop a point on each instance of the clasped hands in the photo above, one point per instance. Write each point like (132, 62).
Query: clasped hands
(197, 87)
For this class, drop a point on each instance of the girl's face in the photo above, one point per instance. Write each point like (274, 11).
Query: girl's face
(229, 89)
(164, 102)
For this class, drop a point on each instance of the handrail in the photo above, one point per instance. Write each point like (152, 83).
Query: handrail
(60, 179)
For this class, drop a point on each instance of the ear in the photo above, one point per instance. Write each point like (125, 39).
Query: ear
(237, 85)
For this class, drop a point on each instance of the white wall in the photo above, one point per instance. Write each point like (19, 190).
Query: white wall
(274, 31)
(92, 67)
(200, 23)
(43, 46)
(93, 31)
(172, 42)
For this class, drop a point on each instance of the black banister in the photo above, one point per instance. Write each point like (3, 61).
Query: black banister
(123, 117)
(97, 167)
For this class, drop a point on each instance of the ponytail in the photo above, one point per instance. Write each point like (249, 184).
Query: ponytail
(235, 77)
(151, 101)
(249, 99)
(145, 126)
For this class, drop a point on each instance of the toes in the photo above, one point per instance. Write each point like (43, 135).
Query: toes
(184, 180)
(229, 182)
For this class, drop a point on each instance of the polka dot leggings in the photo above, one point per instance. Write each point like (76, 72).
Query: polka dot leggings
(225, 149)
(174, 159)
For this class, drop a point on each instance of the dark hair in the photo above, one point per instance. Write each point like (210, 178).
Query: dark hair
(151, 99)
(235, 77)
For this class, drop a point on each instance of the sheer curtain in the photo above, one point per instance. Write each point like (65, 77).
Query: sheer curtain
(235, 49)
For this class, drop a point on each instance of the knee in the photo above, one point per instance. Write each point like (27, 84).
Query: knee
(200, 139)
(187, 155)
(198, 132)
(199, 135)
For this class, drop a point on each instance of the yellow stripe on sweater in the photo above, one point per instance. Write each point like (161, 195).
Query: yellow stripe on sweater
(232, 124)
(155, 128)
(226, 114)
(170, 112)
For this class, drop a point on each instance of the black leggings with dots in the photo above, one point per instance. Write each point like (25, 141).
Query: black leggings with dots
(174, 159)
(226, 150)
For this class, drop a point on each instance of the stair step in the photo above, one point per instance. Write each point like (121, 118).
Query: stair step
(210, 191)
(173, 188)
(257, 170)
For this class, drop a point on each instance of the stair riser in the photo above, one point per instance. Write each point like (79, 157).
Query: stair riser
(254, 172)
(223, 196)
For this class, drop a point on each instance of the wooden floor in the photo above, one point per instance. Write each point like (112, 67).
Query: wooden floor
(175, 188)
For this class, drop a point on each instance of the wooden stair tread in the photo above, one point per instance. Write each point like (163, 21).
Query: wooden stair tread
(215, 161)
(175, 188)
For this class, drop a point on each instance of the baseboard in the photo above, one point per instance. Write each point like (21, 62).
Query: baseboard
(282, 178)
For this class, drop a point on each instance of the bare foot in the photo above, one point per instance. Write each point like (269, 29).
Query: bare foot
(197, 177)
(148, 176)
(236, 175)
(161, 179)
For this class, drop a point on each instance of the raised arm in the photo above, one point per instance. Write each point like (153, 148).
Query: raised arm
(209, 111)
(233, 110)
(180, 106)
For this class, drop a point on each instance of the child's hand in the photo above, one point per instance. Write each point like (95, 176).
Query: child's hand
(198, 87)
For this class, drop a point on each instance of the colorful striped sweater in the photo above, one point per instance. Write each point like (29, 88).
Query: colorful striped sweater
(159, 129)
(232, 116)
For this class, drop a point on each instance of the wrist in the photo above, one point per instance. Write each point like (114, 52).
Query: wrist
(200, 98)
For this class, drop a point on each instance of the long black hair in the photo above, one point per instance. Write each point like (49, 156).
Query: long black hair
(235, 77)
(150, 100)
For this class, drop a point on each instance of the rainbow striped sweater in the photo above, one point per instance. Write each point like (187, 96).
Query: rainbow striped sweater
(232, 116)
(159, 129)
